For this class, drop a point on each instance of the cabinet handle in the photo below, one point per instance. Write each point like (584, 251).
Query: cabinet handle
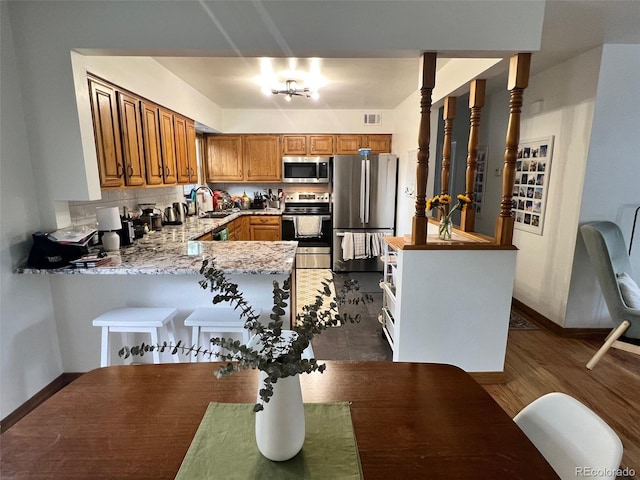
(120, 170)
(130, 170)
(167, 171)
(160, 169)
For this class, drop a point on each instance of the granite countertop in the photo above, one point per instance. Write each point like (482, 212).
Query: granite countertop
(173, 251)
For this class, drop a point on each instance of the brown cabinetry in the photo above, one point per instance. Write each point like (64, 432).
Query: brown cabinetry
(207, 237)
(104, 109)
(262, 160)
(132, 140)
(139, 143)
(307, 145)
(248, 158)
(185, 134)
(151, 139)
(265, 228)
(350, 144)
(224, 158)
(168, 147)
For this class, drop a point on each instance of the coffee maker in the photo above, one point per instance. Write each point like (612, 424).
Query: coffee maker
(127, 234)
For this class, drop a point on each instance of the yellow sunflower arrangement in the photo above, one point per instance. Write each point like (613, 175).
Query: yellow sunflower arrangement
(441, 202)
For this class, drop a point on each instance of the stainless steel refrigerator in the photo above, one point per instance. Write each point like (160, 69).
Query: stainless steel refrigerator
(364, 201)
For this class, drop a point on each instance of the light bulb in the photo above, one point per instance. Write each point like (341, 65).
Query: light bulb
(288, 98)
(315, 96)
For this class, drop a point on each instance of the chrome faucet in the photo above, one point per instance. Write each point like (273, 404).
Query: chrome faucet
(197, 189)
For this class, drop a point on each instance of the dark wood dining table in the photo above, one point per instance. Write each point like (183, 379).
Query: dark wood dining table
(411, 421)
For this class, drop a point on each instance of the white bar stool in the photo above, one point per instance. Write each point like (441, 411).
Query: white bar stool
(215, 320)
(134, 320)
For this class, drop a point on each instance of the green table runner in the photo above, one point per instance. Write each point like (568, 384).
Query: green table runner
(224, 446)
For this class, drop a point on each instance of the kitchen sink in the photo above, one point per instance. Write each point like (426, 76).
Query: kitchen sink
(213, 214)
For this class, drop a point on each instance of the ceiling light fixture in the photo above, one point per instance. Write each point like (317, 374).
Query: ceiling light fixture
(291, 89)
(290, 81)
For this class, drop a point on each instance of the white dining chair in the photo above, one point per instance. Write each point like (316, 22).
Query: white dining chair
(575, 441)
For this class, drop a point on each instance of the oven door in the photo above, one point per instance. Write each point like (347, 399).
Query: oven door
(313, 251)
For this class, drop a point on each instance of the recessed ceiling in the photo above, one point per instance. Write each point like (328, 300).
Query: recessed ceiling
(352, 83)
(570, 28)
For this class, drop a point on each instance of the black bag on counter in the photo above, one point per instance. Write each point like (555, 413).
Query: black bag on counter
(47, 253)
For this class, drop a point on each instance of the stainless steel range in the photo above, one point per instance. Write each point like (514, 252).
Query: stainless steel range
(307, 219)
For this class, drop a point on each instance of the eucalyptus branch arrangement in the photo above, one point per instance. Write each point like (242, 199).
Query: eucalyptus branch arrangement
(277, 355)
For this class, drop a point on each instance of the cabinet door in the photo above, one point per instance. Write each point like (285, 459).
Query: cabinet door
(320, 145)
(265, 228)
(168, 146)
(294, 145)
(192, 157)
(106, 129)
(348, 144)
(224, 158)
(262, 160)
(378, 143)
(243, 232)
(151, 140)
(132, 151)
(264, 233)
(182, 164)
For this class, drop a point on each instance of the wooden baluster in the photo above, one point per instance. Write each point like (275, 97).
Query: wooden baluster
(449, 115)
(518, 81)
(419, 227)
(476, 102)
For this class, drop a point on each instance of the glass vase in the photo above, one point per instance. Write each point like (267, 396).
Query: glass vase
(444, 229)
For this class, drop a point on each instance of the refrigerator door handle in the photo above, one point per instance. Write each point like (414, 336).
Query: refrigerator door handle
(367, 201)
(363, 193)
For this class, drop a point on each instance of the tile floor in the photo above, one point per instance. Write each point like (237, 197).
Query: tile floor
(357, 341)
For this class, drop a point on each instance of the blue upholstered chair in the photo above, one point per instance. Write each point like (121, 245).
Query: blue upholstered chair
(608, 254)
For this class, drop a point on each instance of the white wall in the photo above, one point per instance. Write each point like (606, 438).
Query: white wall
(29, 352)
(304, 121)
(544, 263)
(611, 186)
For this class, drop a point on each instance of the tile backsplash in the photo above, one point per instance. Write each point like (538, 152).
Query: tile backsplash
(83, 213)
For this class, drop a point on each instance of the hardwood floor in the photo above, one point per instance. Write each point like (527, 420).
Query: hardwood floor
(540, 362)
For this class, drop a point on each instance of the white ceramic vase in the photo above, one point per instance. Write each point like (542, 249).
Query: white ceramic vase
(280, 427)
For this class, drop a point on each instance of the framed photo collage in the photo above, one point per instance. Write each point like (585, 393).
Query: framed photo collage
(533, 165)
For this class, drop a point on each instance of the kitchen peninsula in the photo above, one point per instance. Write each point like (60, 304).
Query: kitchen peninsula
(161, 270)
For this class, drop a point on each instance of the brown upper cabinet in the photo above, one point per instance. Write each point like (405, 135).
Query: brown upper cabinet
(243, 158)
(168, 145)
(224, 158)
(152, 147)
(262, 159)
(307, 145)
(132, 140)
(104, 109)
(139, 143)
(350, 144)
(185, 135)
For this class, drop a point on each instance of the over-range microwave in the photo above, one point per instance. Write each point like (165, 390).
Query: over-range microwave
(306, 169)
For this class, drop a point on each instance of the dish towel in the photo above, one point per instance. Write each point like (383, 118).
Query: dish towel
(307, 226)
(347, 246)
(376, 244)
(359, 245)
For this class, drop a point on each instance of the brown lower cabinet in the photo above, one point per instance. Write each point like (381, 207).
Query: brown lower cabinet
(265, 228)
(251, 227)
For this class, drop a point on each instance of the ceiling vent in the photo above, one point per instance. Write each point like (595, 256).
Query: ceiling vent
(372, 118)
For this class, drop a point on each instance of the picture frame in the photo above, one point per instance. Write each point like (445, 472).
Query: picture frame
(531, 185)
